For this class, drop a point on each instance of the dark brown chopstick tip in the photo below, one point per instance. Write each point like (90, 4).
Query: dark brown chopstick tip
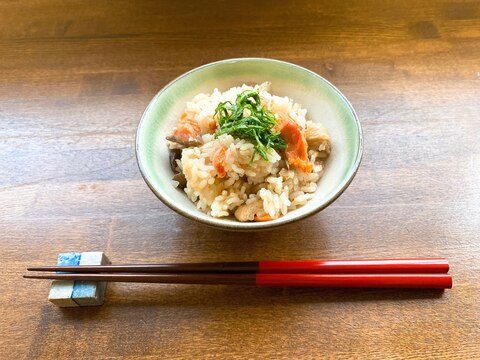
(43, 268)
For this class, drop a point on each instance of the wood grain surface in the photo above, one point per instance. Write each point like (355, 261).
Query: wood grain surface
(75, 78)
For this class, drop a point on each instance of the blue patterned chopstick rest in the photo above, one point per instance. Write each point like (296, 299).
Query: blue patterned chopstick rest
(67, 293)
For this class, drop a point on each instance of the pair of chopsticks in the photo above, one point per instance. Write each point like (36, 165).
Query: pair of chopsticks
(426, 273)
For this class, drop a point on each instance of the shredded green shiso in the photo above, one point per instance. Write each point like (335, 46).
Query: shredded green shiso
(248, 120)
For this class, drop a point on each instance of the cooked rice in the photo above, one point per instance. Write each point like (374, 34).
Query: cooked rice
(280, 188)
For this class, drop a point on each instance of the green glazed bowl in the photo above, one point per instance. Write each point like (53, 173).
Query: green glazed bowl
(325, 104)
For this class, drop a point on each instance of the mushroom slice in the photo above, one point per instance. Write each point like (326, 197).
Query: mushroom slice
(318, 138)
(175, 154)
(181, 179)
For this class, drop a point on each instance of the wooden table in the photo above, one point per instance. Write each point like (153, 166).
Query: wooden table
(74, 80)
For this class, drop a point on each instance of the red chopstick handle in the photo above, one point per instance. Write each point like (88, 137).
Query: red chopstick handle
(420, 281)
(413, 265)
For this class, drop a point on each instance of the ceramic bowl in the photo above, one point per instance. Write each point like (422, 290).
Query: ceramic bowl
(324, 102)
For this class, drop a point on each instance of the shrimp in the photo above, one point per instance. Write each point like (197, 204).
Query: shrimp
(297, 147)
(187, 132)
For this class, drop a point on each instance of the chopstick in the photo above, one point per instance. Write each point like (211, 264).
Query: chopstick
(368, 266)
(424, 281)
(370, 273)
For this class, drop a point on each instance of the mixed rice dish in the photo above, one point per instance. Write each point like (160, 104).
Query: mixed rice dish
(247, 153)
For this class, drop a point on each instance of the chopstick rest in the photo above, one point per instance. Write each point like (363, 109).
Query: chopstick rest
(69, 293)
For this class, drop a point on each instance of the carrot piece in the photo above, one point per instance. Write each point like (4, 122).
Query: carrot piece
(296, 151)
(219, 162)
(261, 218)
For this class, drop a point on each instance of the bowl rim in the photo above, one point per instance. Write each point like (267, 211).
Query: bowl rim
(252, 226)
